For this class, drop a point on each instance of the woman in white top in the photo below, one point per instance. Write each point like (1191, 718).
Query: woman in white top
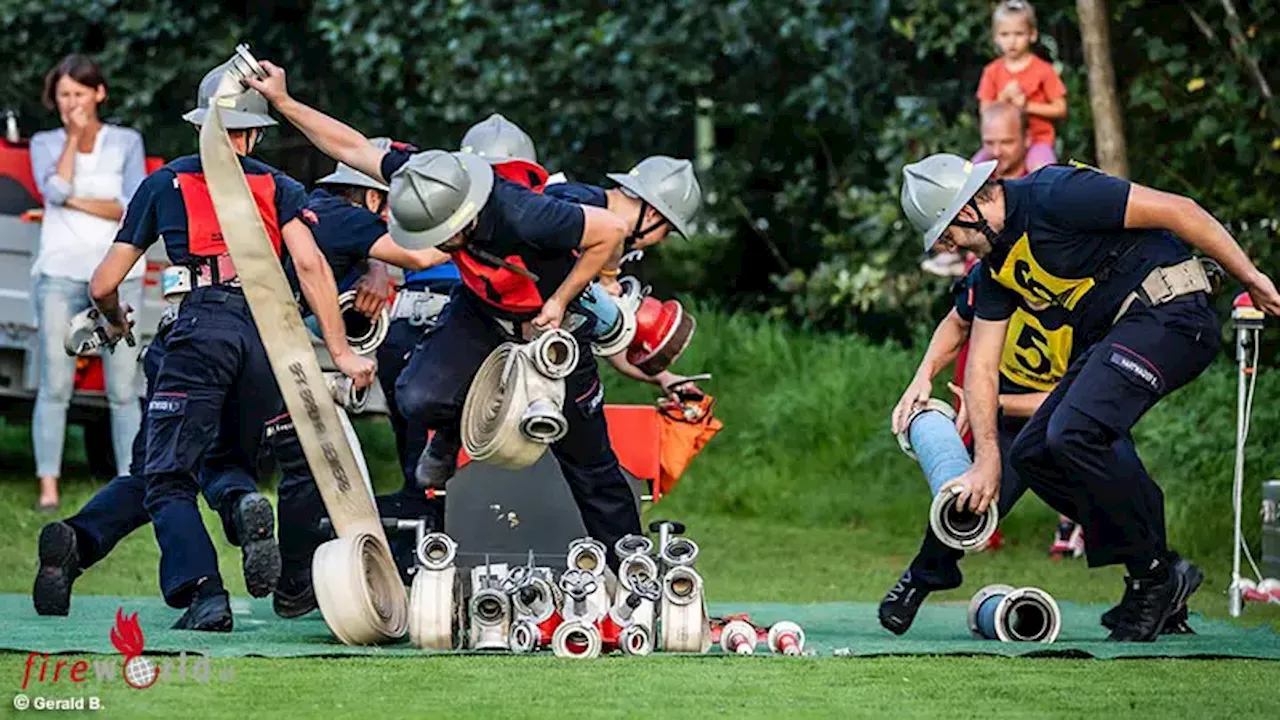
(86, 171)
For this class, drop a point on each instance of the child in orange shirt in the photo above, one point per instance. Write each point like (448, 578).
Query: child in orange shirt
(1023, 79)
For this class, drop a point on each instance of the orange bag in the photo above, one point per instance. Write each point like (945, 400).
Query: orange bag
(685, 428)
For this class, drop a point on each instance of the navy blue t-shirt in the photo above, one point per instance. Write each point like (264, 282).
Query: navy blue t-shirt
(529, 230)
(173, 202)
(580, 193)
(1064, 245)
(344, 233)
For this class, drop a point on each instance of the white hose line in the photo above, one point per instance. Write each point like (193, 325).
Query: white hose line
(685, 624)
(364, 599)
(434, 608)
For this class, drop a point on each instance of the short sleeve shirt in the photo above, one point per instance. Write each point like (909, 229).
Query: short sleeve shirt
(345, 234)
(1038, 81)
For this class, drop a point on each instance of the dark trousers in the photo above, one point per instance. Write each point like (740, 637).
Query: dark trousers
(1077, 451)
(213, 392)
(433, 387)
(118, 508)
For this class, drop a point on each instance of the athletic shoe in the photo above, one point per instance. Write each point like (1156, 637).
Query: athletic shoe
(59, 567)
(899, 607)
(1152, 602)
(255, 527)
(1178, 623)
(1076, 543)
(1062, 539)
(434, 470)
(208, 613)
(295, 595)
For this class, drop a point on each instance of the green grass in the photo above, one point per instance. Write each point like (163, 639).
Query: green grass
(804, 477)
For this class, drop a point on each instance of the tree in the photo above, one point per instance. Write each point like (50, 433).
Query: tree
(1108, 127)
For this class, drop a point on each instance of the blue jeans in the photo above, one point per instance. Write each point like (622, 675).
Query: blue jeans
(57, 300)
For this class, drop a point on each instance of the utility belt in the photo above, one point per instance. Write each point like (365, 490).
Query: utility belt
(1165, 284)
(176, 281)
(419, 307)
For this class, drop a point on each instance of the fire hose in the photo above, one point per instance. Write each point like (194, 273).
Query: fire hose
(739, 638)
(686, 627)
(787, 638)
(434, 610)
(622, 628)
(931, 439)
(613, 319)
(588, 555)
(1001, 612)
(87, 332)
(358, 587)
(513, 408)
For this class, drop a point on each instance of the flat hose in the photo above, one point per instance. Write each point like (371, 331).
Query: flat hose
(513, 407)
(358, 586)
(685, 624)
(931, 439)
(435, 609)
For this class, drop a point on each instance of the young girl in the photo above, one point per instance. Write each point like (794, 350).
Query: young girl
(86, 170)
(1023, 79)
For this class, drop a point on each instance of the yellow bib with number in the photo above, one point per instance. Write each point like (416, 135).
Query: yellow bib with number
(1040, 288)
(1033, 356)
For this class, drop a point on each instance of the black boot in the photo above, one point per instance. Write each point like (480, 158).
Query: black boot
(59, 567)
(210, 609)
(899, 607)
(1178, 622)
(255, 527)
(439, 461)
(295, 596)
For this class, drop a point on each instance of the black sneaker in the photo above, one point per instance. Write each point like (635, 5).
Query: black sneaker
(1178, 622)
(438, 462)
(899, 607)
(1153, 602)
(208, 613)
(59, 567)
(295, 596)
(255, 527)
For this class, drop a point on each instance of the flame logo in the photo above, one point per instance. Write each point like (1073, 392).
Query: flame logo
(127, 636)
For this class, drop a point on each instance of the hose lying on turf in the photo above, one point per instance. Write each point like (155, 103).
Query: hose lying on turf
(1008, 614)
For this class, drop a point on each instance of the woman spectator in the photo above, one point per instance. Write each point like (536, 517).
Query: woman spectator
(87, 171)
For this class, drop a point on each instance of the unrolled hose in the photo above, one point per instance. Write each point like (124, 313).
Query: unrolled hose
(931, 439)
(359, 591)
(1008, 614)
(512, 411)
(364, 334)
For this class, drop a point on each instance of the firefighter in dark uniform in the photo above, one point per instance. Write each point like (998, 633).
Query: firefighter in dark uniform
(1106, 252)
(209, 392)
(499, 234)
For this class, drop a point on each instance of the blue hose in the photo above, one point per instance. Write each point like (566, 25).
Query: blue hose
(938, 448)
(987, 616)
(603, 310)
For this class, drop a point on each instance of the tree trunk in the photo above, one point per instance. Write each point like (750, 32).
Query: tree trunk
(1108, 126)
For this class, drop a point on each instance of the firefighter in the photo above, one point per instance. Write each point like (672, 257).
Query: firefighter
(1106, 252)
(209, 391)
(523, 258)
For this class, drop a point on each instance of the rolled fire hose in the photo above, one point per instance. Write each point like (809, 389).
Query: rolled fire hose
(739, 638)
(364, 334)
(686, 627)
(512, 411)
(1001, 612)
(931, 439)
(787, 638)
(358, 587)
(434, 607)
(87, 332)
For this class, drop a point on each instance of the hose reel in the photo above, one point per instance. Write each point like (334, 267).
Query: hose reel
(931, 439)
(1008, 614)
(513, 408)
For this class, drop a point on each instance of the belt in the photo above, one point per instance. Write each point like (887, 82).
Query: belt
(178, 280)
(1165, 284)
(419, 307)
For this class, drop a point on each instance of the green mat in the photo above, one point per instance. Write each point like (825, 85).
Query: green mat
(940, 629)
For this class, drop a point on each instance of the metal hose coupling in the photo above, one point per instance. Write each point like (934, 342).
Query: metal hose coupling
(634, 570)
(680, 552)
(364, 334)
(682, 586)
(931, 439)
(437, 551)
(578, 587)
(1008, 614)
(344, 392)
(628, 545)
(524, 637)
(243, 64)
(576, 639)
(489, 609)
(587, 554)
(554, 353)
(787, 638)
(435, 610)
(87, 332)
(739, 638)
(613, 320)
